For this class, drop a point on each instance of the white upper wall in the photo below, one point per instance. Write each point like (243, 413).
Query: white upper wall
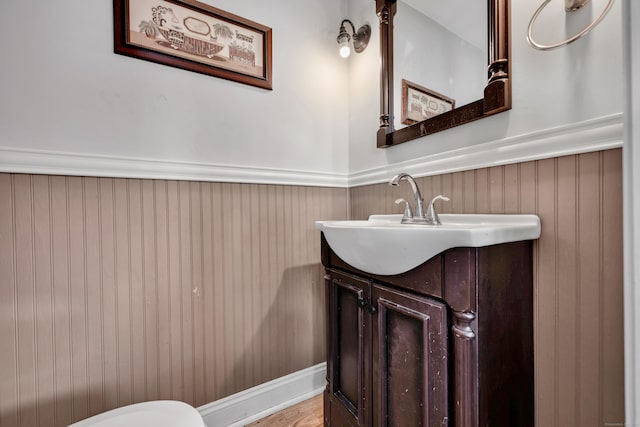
(63, 90)
(565, 88)
(69, 105)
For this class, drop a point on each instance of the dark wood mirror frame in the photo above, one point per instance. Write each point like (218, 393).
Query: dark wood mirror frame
(497, 93)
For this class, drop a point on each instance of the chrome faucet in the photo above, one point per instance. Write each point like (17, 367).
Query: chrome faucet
(432, 216)
(419, 216)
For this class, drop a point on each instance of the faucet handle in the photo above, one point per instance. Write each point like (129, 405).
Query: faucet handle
(439, 197)
(432, 215)
(407, 208)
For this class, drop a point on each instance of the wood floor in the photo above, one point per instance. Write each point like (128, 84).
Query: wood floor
(304, 414)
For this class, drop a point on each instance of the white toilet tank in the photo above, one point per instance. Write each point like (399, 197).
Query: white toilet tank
(157, 413)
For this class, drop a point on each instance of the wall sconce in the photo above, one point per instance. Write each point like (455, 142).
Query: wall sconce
(360, 38)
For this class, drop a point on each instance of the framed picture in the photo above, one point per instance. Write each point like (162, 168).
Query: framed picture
(420, 103)
(196, 37)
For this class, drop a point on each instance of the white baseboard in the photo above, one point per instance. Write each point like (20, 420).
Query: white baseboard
(258, 402)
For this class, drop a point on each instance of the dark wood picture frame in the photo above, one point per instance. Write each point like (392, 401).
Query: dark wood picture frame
(194, 36)
(430, 103)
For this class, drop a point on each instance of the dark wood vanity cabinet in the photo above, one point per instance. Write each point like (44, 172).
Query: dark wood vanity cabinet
(449, 343)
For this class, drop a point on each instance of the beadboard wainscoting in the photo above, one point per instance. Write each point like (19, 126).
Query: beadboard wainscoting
(578, 283)
(115, 291)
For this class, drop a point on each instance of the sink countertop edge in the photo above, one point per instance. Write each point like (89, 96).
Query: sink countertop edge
(523, 227)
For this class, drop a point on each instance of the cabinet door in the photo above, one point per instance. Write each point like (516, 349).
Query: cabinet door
(409, 360)
(349, 354)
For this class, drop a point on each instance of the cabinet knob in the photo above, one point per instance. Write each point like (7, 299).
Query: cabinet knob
(363, 303)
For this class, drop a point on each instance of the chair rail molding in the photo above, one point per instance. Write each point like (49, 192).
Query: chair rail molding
(597, 134)
(17, 160)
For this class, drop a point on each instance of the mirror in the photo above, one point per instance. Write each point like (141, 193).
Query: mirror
(452, 73)
(423, 94)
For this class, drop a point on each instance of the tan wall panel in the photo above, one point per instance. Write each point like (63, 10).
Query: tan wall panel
(114, 291)
(9, 403)
(577, 271)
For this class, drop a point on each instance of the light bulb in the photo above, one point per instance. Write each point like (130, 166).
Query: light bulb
(345, 51)
(343, 41)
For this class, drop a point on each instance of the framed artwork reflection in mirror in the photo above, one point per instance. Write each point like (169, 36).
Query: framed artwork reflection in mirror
(420, 103)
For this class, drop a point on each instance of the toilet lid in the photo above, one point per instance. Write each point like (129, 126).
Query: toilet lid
(157, 413)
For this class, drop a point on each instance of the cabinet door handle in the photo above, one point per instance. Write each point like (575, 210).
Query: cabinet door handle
(363, 303)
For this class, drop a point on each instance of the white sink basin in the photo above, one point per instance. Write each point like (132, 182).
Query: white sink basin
(382, 245)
